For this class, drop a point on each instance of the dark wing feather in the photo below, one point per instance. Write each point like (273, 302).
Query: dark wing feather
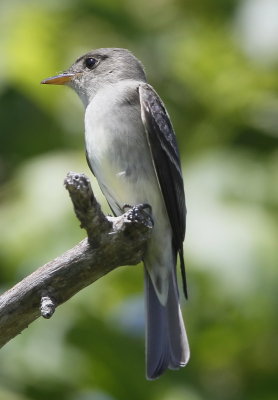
(164, 149)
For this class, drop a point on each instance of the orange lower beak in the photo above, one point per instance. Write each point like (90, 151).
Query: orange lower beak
(58, 79)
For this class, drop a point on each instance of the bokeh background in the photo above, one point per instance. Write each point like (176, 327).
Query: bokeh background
(215, 64)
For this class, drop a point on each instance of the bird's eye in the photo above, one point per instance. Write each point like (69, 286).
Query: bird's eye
(90, 62)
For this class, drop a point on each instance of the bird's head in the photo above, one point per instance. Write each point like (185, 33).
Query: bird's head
(96, 69)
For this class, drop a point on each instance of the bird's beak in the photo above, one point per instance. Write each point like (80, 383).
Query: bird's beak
(59, 79)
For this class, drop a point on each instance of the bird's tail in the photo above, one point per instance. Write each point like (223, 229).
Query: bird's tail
(166, 340)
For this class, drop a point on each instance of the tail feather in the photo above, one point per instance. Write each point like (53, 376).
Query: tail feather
(167, 345)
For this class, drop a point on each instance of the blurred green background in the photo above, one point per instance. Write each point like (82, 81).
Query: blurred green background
(215, 64)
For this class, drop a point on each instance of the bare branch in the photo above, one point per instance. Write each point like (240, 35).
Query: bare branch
(111, 242)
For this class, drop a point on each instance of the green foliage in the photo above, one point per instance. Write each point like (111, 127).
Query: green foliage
(223, 103)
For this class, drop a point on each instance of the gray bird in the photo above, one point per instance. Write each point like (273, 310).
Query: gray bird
(132, 150)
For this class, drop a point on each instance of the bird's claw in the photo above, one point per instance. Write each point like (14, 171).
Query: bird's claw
(135, 213)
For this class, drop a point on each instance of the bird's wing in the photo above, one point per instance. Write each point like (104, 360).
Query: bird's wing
(163, 146)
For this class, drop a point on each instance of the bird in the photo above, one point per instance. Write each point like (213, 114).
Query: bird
(132, 150)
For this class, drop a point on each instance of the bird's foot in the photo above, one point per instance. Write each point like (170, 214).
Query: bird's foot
(136, 212)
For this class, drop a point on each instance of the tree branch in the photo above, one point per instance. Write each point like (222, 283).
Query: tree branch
(111, 242)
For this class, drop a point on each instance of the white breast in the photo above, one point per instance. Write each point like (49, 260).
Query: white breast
(117, 148)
